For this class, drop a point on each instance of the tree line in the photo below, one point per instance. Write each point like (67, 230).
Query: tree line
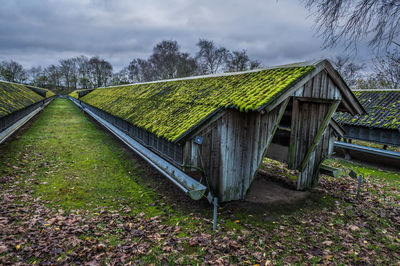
(167, 61)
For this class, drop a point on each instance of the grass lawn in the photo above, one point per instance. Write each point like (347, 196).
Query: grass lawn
(71, 195)
(375, 145)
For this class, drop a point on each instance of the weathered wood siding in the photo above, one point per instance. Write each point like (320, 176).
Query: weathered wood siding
(320, 86)
(309, 176)
(232, 150)
(313, 106)
(234, 145)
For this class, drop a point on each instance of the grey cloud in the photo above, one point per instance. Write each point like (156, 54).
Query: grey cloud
(42, 32)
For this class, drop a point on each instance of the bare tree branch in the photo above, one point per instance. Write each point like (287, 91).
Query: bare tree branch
(350, 21)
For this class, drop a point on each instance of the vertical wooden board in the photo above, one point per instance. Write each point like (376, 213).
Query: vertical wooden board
(327, 93)
(241, 149)
(323, 88)
(215, 157)
(264, 131)
(242, 153)
(206, 154)
(244, 150)
(235, 176)
(316, 89)
(304, 131)
(193, 161)
(187, 152)
(263, 128)
(230, 178)
(299, 92)
(256, 143)
(303, 123)
(308, 88)
(293, 134)
(336, 94)
(332, 86)
(250, 141)
(223, 154)
(311, 166)
(307, 178)
(300, 180)
(310, 133)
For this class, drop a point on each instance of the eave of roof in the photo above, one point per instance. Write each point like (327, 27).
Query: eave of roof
(383, 110)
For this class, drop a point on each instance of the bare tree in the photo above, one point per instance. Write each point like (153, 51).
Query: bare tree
(140, 70)
(254, 64)
(210, 58)
(100, 71)
(350, 71)
(54, 76)
(69, 70)
(237, 61)
(83, 71)
(121, 77)
(387, 69)
(13, 72)
(168, 62)
(34, 75)
(377, 21)
(240, 61)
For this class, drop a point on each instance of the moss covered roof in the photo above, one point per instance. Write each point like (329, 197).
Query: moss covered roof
(41, 91)
(171, 108)
(382, 106)
(74, 94)
(14, 97)
(80, 93)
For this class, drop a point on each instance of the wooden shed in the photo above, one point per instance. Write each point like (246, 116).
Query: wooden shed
(18, 101)
(223, 125)
(381, 124)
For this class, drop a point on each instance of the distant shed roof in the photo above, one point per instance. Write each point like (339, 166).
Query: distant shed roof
(41, 91)
(80, 93)
(383, 107)
(14, 97)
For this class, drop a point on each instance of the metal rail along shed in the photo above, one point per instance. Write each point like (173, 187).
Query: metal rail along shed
(19, 103)
(223, 125)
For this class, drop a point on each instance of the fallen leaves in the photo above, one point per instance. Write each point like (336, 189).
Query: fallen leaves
(327, 243)
(3, 248)
(354, 227)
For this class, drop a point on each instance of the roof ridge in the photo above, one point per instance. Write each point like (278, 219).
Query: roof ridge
(299, 64)
(378, 90)
(10, 82)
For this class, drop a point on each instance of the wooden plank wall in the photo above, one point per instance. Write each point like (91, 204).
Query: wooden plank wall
(310, 106)
(233, 148)
(320, 86)
(309, 176)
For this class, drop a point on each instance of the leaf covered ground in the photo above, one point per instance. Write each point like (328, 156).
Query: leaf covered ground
(71, 195)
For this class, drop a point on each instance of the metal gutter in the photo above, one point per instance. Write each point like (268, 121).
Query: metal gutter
(186, 183)
(14, 127)
(375, 151)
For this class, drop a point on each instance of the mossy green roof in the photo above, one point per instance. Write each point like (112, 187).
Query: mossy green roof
(41, 91)
(382, 106)
(170, 108)
(80, 93)
(14, 97)
(74, 94)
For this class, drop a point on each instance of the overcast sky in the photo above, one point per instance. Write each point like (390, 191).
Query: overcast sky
(41, 32)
